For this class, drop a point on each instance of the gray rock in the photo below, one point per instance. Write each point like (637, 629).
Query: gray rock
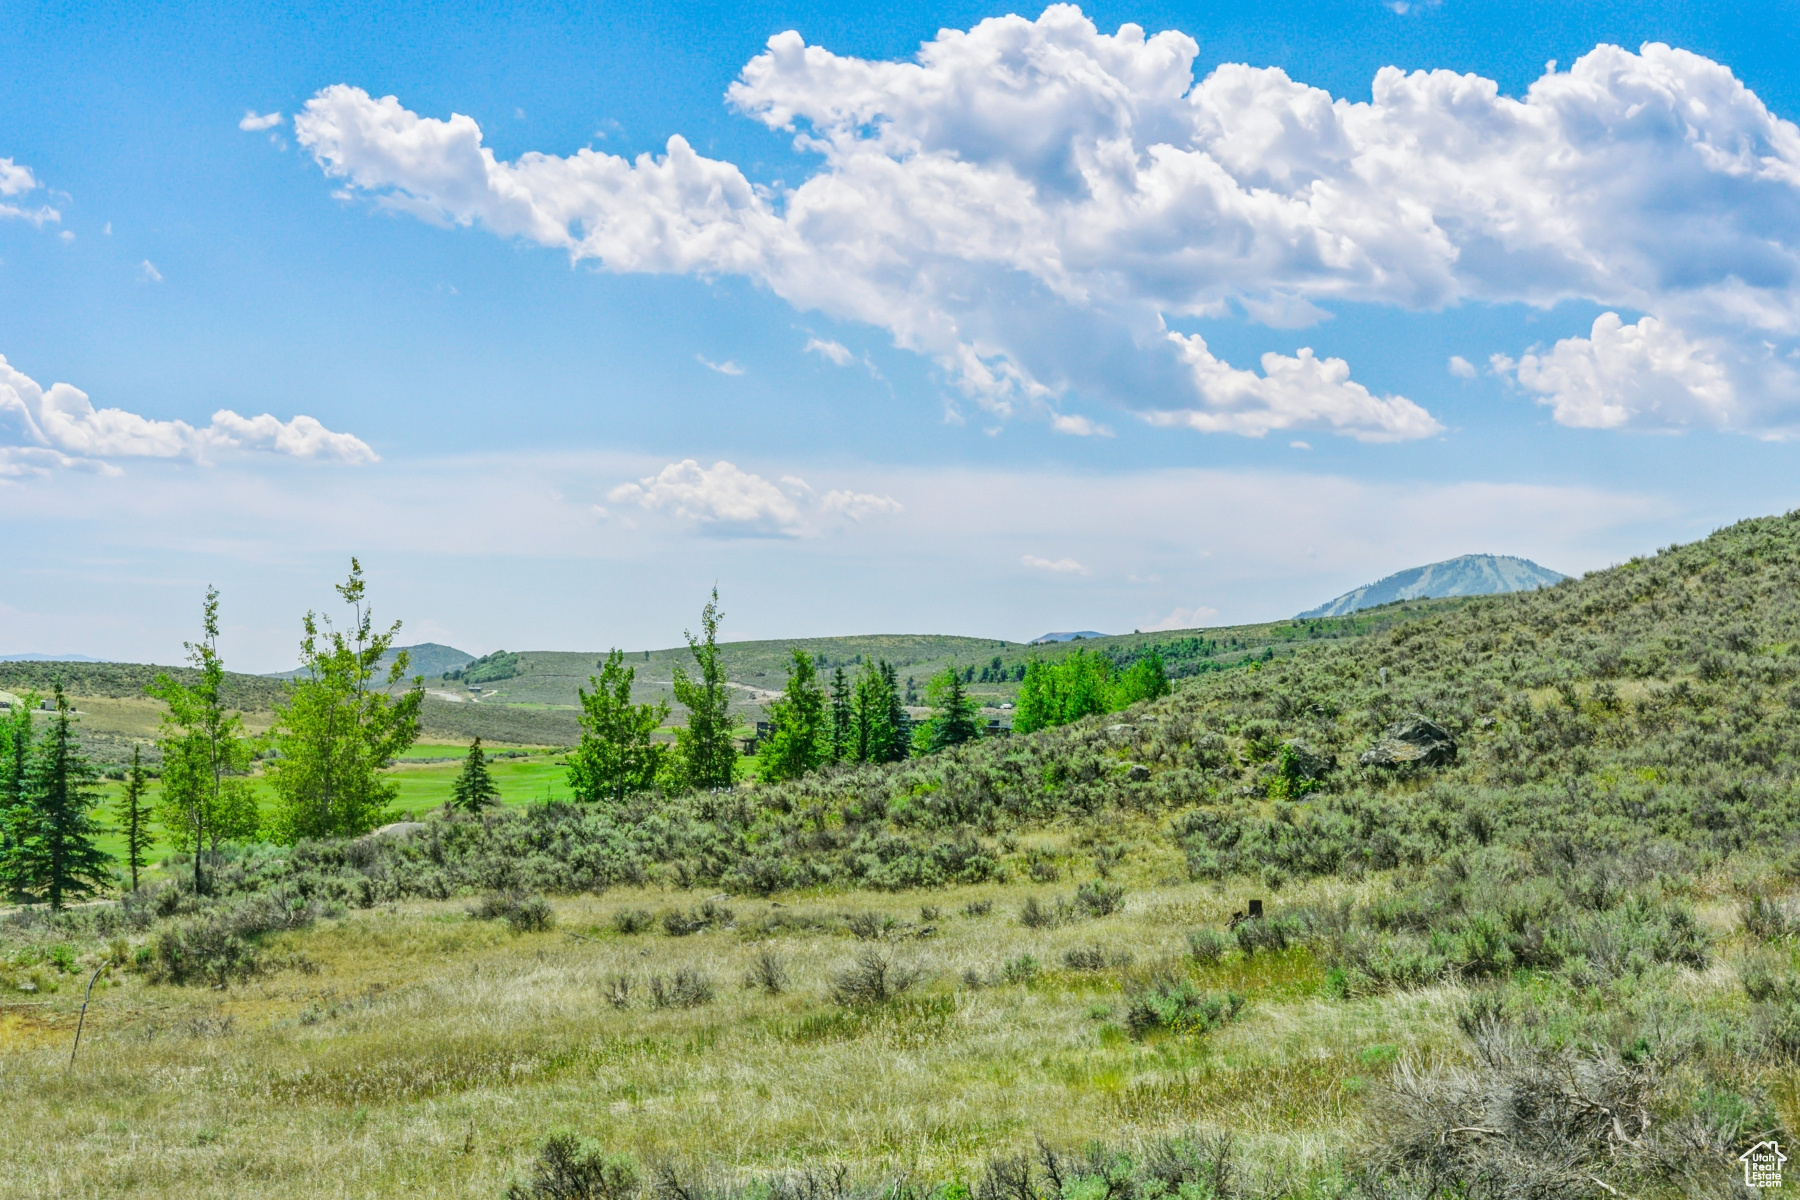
(1414, 741)
(1309, 764)
(1137, 772)
(399, 829)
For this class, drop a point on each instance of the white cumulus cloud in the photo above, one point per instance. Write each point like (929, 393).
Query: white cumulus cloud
(1461, 367)
(1183, 618)
(255, 124)
(1060, 566)
(1646, 375)
(1291, 393)
(1028, 201)
(728, 501)
(62, 428)
(16, 179)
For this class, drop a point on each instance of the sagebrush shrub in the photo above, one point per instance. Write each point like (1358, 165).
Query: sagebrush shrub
(1207, 946)
(687, 989)
(1766, 919)
(767, 972)
(523, 913)
(1179, 1007)
(632, 920)
(1095, 958)
(875, 979)
(1022, 969)
(570, 1168)
(1099, 899)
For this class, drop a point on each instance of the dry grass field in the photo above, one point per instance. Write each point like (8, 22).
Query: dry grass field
(414, 1050)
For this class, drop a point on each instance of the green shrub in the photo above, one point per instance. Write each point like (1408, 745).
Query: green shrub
(767, 972)
(522, 913)
(874, 979)
(1099, 899)
(1095, 958)
(568, 1168)
(632, 920)
(1022, 969)
(1179, 1007)
(686, 989)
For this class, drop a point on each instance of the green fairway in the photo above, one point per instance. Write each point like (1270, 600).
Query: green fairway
(424, 785)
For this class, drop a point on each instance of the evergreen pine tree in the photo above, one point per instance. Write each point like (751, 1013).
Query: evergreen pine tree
(474, 788)
(953, 720)
(134, 816)
(15, 760)
(842, 717)
(871, 730)
(899, 720)
(53, 856)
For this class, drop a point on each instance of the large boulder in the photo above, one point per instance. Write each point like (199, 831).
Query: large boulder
(1415, 742)
(1306, 763)
(398, 829)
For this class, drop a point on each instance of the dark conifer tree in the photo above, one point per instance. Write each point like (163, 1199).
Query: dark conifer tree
(474, 788)
(953, 720)
(899, 721)
(134, 816)
(53, 856)
(15, 760)
(842, 717)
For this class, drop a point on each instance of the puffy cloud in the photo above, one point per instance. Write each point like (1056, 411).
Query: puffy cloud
(62, 428)
(16, 179)
(1183, 618)
(1461, 367)
(1026, 202)
(729, 502)
(255, 124)
(1060, 566)
(1645, 375)
(837, 352)
(860, 505)
(1290, 393)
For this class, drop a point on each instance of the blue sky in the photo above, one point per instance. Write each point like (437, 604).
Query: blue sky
(968, 338)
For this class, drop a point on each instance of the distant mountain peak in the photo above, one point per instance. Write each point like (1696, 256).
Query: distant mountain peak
(1467, 575)
(430, 659)
(48, 658)
(1066, 637)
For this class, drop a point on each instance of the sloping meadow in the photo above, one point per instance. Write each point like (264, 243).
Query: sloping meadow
(1556, 955)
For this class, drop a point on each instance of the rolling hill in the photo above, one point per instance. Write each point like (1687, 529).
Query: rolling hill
(1234, 943)
(1468, 575)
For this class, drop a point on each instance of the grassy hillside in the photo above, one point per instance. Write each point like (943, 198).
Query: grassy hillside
(760, 668)
(1559, 960)
(537, 705)
(118, 681)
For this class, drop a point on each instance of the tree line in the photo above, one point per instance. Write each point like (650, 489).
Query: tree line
(336, 726)
(345, 717)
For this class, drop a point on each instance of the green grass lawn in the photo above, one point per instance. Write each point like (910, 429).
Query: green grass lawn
(424, 785)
